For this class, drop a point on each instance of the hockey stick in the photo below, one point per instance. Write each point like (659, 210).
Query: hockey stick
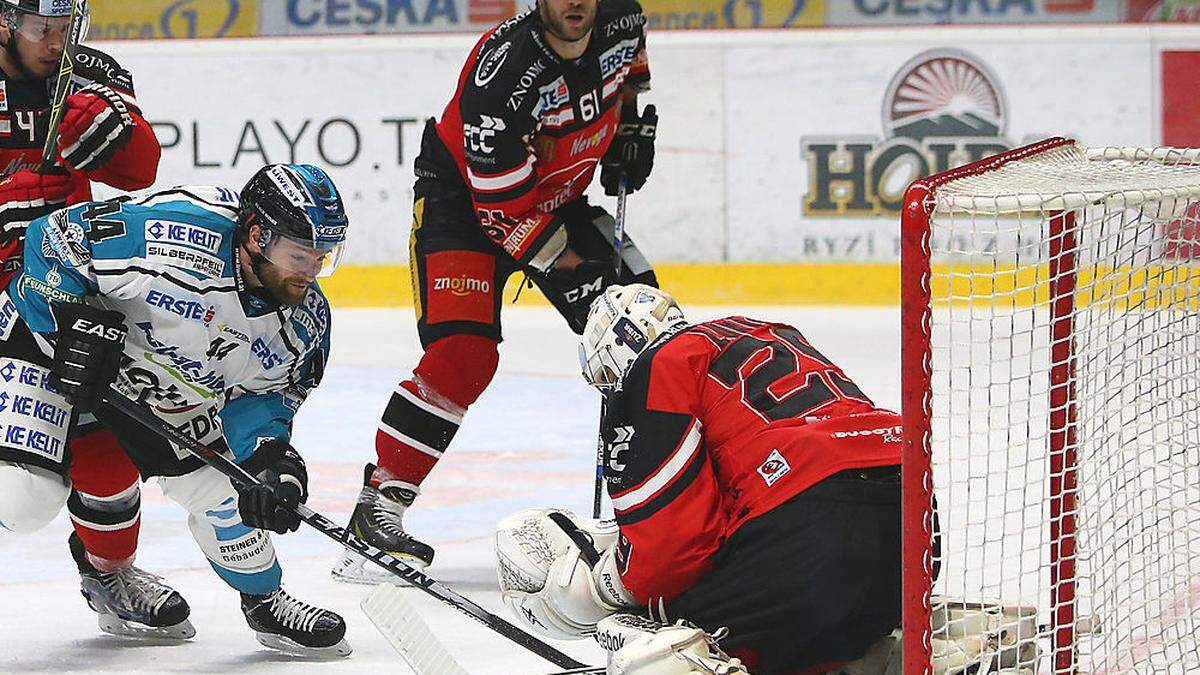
(618, 244)
(408, 633)
(62, 84)
(415, 577)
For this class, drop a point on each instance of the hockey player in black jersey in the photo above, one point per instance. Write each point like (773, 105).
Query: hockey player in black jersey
(545, 102)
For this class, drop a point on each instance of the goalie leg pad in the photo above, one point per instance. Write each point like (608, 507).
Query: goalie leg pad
(638, 646)
(30, 497)
(549, 562)
(243, 557)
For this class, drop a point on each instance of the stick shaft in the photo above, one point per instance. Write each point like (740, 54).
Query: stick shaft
(618, 245)
(62, 85)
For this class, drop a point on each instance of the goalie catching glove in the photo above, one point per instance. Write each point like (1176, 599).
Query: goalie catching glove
(558, 571)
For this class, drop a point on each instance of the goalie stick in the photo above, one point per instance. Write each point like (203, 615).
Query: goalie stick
(140, 414)
(407, 632)
(62, 84)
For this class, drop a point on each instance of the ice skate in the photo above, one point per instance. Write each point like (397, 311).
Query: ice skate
(378, 521)
(131, 602)
(286, 624)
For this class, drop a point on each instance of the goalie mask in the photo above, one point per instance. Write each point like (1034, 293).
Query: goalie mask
(622, 323)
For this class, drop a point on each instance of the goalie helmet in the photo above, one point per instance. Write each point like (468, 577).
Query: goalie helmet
(621, 324)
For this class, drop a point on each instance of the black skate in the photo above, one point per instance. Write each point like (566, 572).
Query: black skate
(284, 623)
(377, 520)
(131, 602)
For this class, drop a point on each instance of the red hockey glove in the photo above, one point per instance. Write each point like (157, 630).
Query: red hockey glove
(26, 196)
(96, 124)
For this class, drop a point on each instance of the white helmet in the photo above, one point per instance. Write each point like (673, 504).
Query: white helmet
(622, 323)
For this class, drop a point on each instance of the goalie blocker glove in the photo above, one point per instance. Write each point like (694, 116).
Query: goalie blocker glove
(87, 352)
(631, 152)
(271, 504)
(96, 124)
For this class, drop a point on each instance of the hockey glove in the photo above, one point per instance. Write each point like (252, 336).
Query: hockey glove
(97, 123)
(87, 353)
(631, 152)
(271, 504)
(26, 196)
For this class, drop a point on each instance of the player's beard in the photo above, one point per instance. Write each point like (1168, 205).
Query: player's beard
(557, 24)
(287, 289)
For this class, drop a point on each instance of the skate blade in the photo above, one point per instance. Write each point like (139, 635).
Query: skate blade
(115, 625)
(355, 569)
(292, 648)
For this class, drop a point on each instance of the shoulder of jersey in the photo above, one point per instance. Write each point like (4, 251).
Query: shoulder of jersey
(639, 370)
(96, 66)
(188, 227)
(506, 56)
(619, 17)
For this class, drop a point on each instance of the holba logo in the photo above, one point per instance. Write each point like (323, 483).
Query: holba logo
(942, 109)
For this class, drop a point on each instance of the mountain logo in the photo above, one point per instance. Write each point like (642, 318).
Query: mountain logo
(942, 109)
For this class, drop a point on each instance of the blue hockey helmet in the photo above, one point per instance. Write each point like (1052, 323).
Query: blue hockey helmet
(298, 204)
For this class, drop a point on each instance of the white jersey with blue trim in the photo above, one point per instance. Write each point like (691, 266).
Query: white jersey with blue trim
(207, 354)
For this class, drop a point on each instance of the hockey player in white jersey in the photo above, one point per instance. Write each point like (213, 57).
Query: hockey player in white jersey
(202, 304)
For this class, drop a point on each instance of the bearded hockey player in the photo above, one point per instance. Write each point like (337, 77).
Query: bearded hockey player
(103, 137)
(201, 304)
(543, 100)
(756, 488)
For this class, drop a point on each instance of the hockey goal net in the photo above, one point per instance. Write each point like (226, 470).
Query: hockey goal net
(1051, 376)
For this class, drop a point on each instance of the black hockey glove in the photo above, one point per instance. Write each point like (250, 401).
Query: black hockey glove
(87, 352)
(631, 152)
(270, 505)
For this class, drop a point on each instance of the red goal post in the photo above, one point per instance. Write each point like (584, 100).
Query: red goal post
(1051, 379)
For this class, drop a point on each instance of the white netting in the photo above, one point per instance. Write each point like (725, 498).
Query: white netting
(1133, 289)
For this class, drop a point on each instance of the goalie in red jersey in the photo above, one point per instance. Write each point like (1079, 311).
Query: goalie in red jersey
(756, 488)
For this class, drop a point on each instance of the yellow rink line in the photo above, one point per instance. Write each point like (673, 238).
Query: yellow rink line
(690, 283)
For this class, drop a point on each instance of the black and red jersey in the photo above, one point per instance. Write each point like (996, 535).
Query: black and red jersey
(526, 128)
(721, 423)
(23, 127)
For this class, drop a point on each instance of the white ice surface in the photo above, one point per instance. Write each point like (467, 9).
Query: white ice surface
(529, 441)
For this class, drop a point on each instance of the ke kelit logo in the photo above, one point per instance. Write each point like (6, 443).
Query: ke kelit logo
(462, 285)
(944, 108)
(774, 468)
(183, 233)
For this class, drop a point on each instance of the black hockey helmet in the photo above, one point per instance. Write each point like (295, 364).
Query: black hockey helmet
(43, 7)
(299, 203)
(34, 19)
